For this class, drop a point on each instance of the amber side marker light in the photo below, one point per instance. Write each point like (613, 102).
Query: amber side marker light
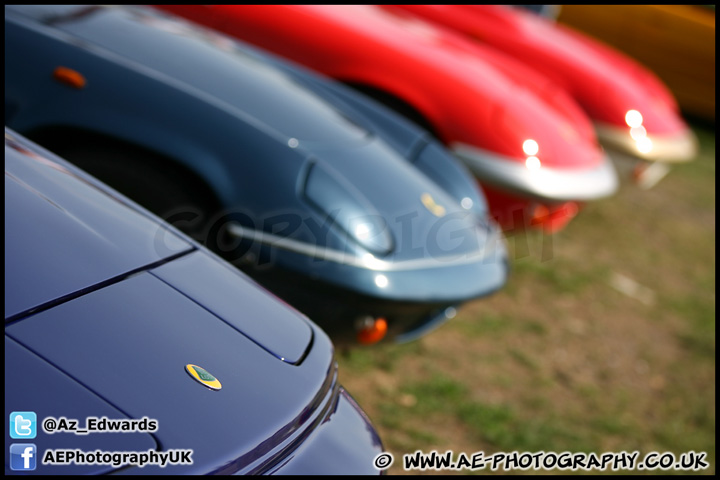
(555, 218)
(373, 333)
(69, 77)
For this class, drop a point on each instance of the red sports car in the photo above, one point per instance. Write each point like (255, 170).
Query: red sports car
(633, 111)
(530, 145)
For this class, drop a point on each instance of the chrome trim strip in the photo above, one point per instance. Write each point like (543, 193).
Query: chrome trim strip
(678, 148)
(369, 261)
(550, 184)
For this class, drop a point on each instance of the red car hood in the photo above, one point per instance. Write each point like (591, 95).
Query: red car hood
(606, 83)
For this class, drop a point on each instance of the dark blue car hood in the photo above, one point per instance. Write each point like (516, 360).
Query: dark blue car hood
(107, 307)
(96, 241)
(128, 344)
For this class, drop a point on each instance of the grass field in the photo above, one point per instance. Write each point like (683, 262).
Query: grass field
(603, 340)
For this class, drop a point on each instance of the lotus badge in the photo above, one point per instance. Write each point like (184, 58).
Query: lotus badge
(203, 376)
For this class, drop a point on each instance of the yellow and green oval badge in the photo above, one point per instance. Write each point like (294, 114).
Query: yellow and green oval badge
(203, 376)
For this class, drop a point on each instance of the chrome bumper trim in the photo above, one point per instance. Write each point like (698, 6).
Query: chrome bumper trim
(669, 149)
(493, 245)
(550, 184)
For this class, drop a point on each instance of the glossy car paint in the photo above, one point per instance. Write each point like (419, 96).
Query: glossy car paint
(482, 104)
(299, 167)
(606, 83)
(144, 302)
(677, 42)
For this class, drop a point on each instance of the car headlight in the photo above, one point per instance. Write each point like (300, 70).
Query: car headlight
(336, 197)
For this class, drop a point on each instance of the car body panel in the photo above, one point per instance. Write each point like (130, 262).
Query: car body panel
(30, 380)
(488, 101)
(167, 331)
(102, 257)
(404, 48)
(119, 349)
(212, 283)
(332, 444)
(584, 68)
(211, 118)
(677, 42)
